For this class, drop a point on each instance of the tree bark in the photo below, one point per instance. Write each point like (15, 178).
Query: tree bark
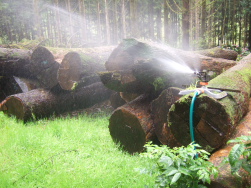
(131, 125)
(225, 178)
(219, 53)
(41, 103)
(159, 112)
(44, 67)
(15, 62)
(80, 69)
(214, 120)
(130, 51)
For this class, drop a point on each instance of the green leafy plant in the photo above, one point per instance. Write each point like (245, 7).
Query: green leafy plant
(240, 155)
(179, 167)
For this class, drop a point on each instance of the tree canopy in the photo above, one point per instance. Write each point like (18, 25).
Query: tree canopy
(188, 24)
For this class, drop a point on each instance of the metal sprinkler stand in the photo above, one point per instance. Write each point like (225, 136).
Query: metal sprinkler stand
(204, 77)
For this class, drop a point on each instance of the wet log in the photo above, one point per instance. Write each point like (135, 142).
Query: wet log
(41, 103)
(130, 51)
(218, 52)
(131, 125)
(79, 69)
(146, 76)
(15, 62)
(159, 112)
(214, 120)
(225, 178)
(116, 100)
(44, 67)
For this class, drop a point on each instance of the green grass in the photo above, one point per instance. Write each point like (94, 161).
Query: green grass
(70, 152)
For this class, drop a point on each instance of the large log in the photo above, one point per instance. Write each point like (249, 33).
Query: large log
(218, 52)
(40, 103)
(214, 120)
(44, 67)
(130, 51)
(79, 69)
(131, 125)
(15, 62)
(225, 178)
(159, 111)
(150, 75)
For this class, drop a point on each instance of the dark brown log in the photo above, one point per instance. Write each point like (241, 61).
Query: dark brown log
(218, 52)
(150, 75)
(40, 103)
(225, 178)
(80, 69)
(15, 62)
(116, 100)
(214, 120)
(159, 110)
(44, 67)
(131, 125)
(131, 50)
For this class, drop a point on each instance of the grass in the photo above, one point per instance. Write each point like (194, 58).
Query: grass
(66, 152)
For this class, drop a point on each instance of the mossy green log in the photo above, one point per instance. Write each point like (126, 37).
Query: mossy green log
(214, 120)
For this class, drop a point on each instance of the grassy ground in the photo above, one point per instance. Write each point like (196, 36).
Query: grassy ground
(71, 152)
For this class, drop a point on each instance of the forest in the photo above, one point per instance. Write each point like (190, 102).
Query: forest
(187, 24)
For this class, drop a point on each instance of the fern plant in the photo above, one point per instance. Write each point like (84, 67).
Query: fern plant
(240, 154)
(178, 167)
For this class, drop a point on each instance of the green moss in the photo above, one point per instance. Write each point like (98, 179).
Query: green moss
(158, 83)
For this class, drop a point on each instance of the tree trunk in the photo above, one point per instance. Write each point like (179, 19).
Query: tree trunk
(80, 69)
(225, 178)
(219, 53)
(214, 120)
(44, 67)
(159, 111)
(41, 103)
(131, 125)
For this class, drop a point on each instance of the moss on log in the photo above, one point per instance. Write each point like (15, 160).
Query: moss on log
(15, 62)
(225, 178)
(41, 103)
(214, 120)
(131, 125)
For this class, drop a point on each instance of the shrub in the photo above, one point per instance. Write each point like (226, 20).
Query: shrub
(180, 166)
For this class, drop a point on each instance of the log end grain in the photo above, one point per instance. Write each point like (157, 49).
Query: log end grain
(212, 123)
(126, 130)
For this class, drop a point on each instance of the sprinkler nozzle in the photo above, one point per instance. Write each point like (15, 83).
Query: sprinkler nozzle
(203, 76)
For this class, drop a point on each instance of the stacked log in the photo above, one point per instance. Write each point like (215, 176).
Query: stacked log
(43, 72)
(141, 68)
(214, 120)
(225, 178)
(42, 103)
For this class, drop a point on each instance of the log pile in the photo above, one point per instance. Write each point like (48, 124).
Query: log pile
(139, 68)
(33, 85)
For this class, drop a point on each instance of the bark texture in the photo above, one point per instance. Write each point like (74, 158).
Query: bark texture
(131, 125)
(40, 103)
(219, 53)
(78, 69)
(44, 67)
(159, 111)
(214, 120)
(225, 178)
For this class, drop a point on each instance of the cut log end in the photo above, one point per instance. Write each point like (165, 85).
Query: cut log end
(13, 106)
(211, 122)
(126, 130)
